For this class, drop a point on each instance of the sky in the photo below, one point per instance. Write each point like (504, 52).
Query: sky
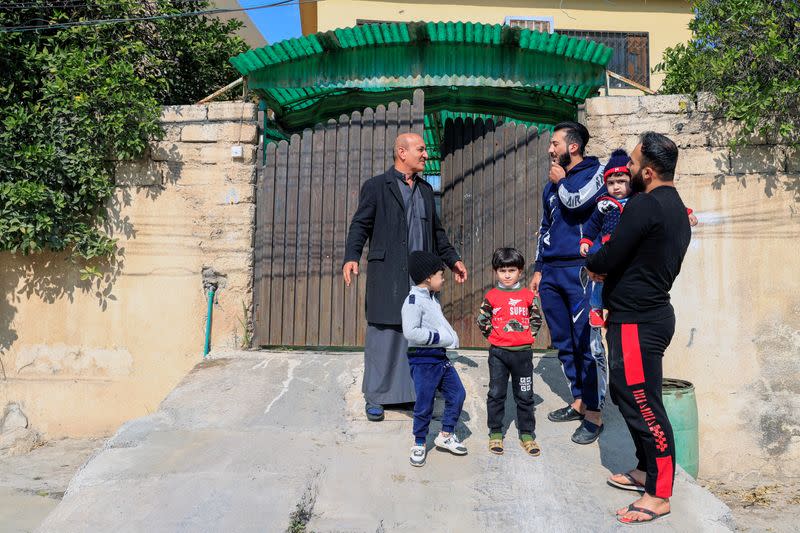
(274, 23)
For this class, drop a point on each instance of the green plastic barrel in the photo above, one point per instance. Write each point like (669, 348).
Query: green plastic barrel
(681, 406)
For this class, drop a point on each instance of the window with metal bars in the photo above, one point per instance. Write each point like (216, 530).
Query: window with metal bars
(631, 53)
(363, 22)
(542, 24)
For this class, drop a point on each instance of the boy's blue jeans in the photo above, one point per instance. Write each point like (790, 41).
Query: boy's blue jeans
(596, 336)
(428, 378)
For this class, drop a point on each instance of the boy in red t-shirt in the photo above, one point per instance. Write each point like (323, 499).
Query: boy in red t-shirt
(510, 319)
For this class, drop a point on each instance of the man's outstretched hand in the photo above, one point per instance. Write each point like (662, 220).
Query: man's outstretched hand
(460, 272)
(535, 281)
(347, 269)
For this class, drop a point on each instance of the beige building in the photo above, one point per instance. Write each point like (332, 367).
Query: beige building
(638, 30)
(249, 32)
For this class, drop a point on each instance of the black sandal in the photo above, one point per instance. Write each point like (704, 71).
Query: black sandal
(634, 485)
(653, 515)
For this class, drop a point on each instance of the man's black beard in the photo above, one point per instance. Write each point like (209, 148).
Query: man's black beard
(564, 160)
(637, 182)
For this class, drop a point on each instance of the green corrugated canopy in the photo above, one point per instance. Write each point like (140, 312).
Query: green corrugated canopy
(463, 67)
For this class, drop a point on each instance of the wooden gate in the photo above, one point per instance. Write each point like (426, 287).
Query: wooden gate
(307, 193)
(492, 179)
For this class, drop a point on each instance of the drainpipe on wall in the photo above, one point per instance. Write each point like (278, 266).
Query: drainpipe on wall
(213, 281)
(211, 287)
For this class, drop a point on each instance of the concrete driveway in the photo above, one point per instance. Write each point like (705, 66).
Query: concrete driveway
(257, 441)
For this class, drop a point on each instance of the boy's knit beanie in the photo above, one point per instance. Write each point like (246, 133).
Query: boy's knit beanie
(617, 163)
(422, 265)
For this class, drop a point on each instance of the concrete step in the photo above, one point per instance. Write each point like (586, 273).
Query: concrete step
(246, 441)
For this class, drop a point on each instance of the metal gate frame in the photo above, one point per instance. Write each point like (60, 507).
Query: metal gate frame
(307, 192)
(493, 175)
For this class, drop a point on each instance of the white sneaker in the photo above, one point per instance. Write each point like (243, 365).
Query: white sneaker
(418, 455)
(451, 444)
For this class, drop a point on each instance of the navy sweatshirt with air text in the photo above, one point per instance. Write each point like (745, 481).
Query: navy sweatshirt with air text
(566, 208)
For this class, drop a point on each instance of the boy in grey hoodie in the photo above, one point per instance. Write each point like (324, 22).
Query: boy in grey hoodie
(429, 335)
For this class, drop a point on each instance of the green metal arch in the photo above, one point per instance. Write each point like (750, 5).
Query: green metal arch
(463, 67)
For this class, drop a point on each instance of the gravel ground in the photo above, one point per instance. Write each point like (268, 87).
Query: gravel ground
(31, 485)
(772, 507)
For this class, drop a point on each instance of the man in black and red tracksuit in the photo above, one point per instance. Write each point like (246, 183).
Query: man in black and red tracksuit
(639, 264)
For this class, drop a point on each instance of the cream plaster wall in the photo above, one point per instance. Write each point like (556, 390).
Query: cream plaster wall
(82, 357)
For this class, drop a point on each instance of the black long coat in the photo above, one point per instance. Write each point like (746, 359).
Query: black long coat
(381, 219)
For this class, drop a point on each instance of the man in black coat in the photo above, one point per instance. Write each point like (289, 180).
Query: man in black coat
(397, 214)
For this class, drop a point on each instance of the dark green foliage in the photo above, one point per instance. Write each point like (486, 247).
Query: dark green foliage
(72, 101)
(747, 53)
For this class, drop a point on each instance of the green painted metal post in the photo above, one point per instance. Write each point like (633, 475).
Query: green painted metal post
(681, 407)
(207, 346)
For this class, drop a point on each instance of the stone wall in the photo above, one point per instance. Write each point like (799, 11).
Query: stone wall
(737, 298)
(81, 357)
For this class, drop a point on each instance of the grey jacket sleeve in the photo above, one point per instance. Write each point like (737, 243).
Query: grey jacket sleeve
(421, 335)
(446, 339)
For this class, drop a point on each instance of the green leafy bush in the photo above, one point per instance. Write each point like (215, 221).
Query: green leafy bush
(72, 101)
(747, 53)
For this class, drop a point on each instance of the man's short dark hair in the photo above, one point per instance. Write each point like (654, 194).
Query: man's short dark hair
(574, 132)
(660, 154)
(507, 257)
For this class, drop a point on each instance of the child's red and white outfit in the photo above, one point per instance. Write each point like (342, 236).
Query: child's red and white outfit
(510, 318)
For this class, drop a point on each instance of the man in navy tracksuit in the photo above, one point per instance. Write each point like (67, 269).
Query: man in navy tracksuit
(576, 182)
